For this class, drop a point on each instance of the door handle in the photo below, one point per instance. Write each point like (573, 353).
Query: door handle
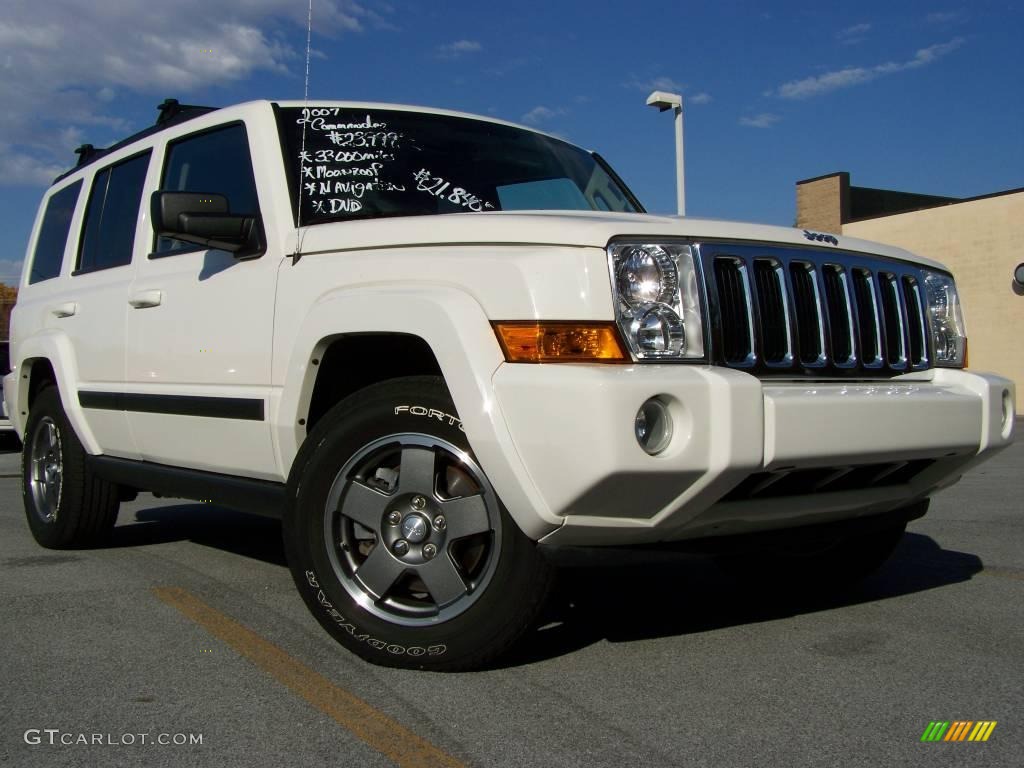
(144, 299)
(64, 310)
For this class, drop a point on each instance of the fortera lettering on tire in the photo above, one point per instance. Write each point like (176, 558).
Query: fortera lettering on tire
(430, 413)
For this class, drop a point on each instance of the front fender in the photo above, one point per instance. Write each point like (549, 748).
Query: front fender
(459, 333)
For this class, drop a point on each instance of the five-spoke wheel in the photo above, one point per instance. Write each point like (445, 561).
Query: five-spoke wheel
(397, 540)
(413, 526)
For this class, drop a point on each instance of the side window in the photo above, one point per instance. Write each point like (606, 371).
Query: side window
(53, 234)
(108, 234)
(214, 161)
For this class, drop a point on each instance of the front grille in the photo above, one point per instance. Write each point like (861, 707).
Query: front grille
(780, 310)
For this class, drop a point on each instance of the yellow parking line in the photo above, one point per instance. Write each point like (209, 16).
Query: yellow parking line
(387, 736)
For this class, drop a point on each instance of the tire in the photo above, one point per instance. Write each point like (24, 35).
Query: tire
(66, 505)
(376, 566)
(801, 568)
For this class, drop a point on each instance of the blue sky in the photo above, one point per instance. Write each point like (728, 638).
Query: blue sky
(920, 96)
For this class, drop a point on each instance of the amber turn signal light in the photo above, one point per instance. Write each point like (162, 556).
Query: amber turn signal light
(560, 342)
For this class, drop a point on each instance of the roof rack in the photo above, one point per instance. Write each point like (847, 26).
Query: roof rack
(171, 112)
(172, 108)
(85, 153)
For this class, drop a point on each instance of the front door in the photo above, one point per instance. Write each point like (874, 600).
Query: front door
(200, 326)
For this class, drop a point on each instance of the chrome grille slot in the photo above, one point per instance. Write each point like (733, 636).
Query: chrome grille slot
(915, 321)
(810, 312)
(807, 302)
(736, 310)
(895, 331)
(840, 315)
(868, 322)
(773, 311)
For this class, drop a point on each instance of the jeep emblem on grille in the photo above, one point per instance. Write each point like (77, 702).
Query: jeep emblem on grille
(819, 237)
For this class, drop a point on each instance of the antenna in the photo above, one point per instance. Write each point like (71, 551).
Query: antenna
(302, 153)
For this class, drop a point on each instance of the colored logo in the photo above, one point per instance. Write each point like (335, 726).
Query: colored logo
(958, 730)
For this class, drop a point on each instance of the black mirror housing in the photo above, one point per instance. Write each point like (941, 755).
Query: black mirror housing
(205, 219)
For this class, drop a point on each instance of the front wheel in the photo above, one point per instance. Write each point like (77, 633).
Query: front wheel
(397, 541)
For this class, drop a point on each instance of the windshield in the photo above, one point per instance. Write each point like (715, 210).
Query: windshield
(360, 163)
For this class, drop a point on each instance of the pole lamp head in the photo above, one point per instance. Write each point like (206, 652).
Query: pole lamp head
(663, 100)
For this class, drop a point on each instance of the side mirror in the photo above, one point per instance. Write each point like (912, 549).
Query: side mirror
(1018, 276)
(205, 219)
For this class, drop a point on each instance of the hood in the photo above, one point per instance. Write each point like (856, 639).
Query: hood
(563, 228)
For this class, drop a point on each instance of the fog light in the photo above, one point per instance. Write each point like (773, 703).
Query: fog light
(653, 426)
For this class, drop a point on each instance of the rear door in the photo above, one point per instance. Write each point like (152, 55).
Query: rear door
(89, 305)
(200, 326)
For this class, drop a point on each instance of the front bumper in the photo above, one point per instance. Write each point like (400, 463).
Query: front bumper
(746, 454)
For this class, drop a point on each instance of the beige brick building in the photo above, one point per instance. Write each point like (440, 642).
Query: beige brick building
(980, 239)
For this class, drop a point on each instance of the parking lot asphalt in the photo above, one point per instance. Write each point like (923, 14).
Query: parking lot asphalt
(188, 625)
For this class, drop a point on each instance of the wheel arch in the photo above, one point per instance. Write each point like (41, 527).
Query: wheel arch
(379, 356)
(47, 360)
(439, 329)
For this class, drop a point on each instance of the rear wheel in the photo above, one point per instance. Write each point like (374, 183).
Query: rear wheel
(396, 539)
(66, 505)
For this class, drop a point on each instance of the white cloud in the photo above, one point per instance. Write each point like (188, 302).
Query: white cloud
(541, 114)
(946, 17)
(667, 84)
(10, 271)
(66, 62)
(853, 34)
(458, 48)
(656, 84)
(19, 168)
(762, 120)
(844, 78)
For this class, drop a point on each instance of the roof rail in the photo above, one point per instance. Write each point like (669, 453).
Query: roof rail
(86, 152)
(172, 108)
(171, 112)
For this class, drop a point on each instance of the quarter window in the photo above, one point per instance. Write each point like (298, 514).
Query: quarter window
(215, 162)
(53, 234)
(108, 234)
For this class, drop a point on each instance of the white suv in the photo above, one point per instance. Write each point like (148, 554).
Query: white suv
(264, 306)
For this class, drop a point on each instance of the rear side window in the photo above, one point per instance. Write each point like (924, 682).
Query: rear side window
(108, 234)
(53, 234)
(215, 162)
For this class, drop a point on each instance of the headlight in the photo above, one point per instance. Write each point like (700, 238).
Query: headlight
(946, 320)
(646, 275)
(657, 300)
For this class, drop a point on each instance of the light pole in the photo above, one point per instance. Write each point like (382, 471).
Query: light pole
(674, 101)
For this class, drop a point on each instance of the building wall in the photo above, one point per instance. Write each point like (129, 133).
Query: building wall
(981, 241)
(819, 203)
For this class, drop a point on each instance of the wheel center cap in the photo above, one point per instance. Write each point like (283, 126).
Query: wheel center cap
(415, 528)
